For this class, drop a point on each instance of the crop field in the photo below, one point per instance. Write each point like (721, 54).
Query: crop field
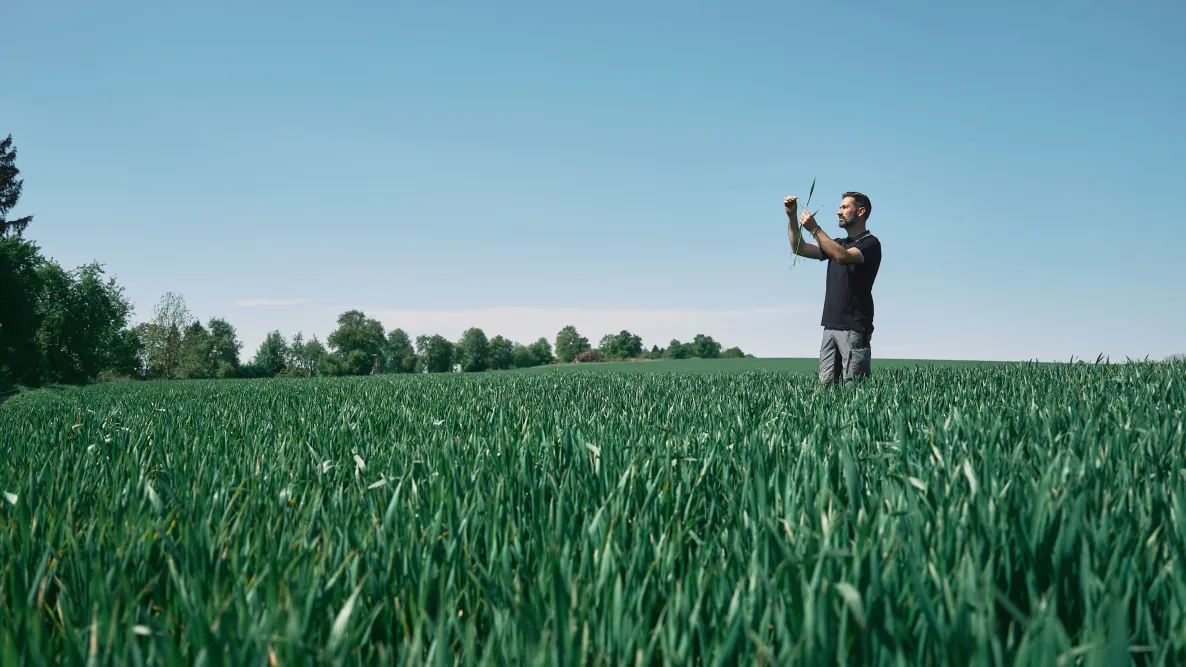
(790, 364)
(962, 515)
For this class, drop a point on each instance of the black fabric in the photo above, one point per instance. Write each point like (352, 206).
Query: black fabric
(848, 302)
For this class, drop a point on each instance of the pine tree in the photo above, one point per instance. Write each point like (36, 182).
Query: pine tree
(10, 190)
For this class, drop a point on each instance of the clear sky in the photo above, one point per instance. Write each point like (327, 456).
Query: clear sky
(616, 165)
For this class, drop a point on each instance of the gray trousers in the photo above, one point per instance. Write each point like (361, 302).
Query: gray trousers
(844, 354)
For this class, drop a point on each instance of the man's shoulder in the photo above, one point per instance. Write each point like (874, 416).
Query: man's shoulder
(869, 246)
(867, 240)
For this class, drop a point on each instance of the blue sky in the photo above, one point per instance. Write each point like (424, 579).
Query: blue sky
(524, 166)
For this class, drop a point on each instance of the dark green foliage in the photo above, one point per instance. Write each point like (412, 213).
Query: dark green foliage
(306, 356)
(20, 287)
(358, 343)
(678, 350)
(224, 348)
(196, 353)
(273, 354)
(622, 345)
(10, 191)
(123, 358)
(538, 353)
(80, 316)
(705, 347)
(400, 355)
(701, 347)
(570, 343)
(437, 353)
(501, 353)
(473, 351)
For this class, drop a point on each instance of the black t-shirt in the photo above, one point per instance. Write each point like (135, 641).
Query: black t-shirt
(848, 302)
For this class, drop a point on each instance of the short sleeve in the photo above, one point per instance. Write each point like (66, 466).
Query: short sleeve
(870, 248)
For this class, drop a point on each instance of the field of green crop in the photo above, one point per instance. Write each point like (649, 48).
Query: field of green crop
(995, 515)
(790, 365)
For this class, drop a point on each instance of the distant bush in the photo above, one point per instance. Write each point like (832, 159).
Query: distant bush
(588, 356)
(114, 376)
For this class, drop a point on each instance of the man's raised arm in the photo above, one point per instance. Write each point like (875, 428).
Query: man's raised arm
(798, 246)
(828, 247)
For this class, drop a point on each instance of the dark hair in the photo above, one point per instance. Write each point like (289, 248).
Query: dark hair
(861, 200)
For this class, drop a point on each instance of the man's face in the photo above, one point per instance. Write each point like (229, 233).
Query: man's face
(848, 212)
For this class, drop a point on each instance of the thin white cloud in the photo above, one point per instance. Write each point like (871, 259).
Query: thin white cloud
(250, 303)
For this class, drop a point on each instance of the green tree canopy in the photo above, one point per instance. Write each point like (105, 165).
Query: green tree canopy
(196, 353)
(273, 354)
(622, 345)
(501, 353)
(20, 285)
(399, 353)
(569, 344)
(307, 356)
(79, 318)
(436, 353)
(473, 350)
(358, 342)
(705, 347)
(224, 347)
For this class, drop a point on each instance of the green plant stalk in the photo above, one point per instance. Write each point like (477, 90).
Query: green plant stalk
(798, 236)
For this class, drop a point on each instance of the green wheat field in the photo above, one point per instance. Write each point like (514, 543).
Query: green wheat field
(944, 514)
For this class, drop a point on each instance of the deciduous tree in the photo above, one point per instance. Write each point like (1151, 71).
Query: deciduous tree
(501, 353)
(399, 355)
(164, 335)
(569, 344)
(272, 355)
(473, 350)
(307, 355)
(79, 318)
(224, 348)
(436, 353)
(358, 342)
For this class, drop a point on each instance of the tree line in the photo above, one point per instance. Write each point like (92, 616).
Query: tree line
(176, 345)
(61, 326)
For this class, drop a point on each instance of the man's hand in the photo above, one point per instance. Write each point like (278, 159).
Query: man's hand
(791, 204)
(808, 221)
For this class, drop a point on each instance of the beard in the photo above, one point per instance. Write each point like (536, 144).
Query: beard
(847, 222)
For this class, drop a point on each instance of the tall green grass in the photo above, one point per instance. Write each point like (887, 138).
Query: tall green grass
(979, 515)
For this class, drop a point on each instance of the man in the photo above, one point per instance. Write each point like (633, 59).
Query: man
(853, 262)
